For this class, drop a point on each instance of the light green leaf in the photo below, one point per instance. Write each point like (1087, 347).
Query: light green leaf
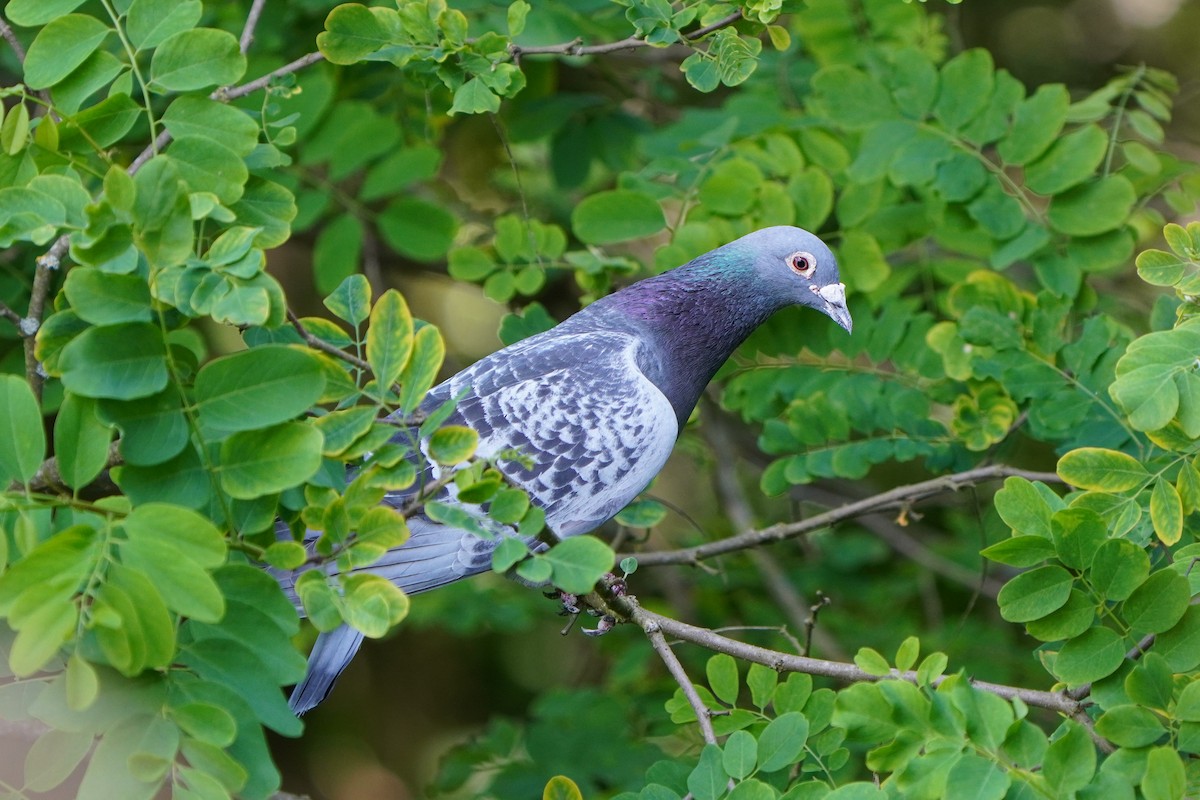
(1077, 534)
(966, 87)
(196, 59)
(421, 371)
(740, 754)
(257, 388)
(474, 97)
(1165, 777)
(60, 47)
(1145, 385)
(32, 13)
(1036, 124)
(260, 462)
(453, 444)
(616, 216)
(578, 562)
(22, 437)
(417, 229)
(373, 604)
(269, 206)
(1130, 726)
(337, 252)
(1166, 512)
(353, 32)
(560, 787)
(1102, 470)
(708, 780)
(389, 338)
(206, 165)
(978, 778)
(105, 299)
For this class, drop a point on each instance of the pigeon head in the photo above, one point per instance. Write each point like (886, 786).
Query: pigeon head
(793, 267)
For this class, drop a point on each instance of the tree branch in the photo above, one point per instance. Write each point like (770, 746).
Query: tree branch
(786, 662)
(317, 343)
(10, 36)
(46, 265)
(225, 95)
(659, 643)
(899, 497)
(251, 23)
(577, 48)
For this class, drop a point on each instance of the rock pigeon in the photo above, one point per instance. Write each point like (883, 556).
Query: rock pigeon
(595, 404)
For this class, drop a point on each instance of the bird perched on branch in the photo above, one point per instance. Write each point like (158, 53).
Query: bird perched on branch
(595, 404)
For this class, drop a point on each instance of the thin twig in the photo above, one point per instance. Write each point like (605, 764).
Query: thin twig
(577, 48)
(659, 643)
(318, 343)
(786, 662)
(899, 497)
(251, 23)
(10, 315)
(810, 623)
(253, 86)
(10, 36)
(46, 266)
(49, 478)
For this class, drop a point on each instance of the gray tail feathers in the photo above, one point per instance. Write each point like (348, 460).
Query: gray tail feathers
(330, 655)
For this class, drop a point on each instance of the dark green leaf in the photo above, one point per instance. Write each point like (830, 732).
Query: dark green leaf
(257, 388)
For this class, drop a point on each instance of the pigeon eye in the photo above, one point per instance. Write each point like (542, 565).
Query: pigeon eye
(803, 264)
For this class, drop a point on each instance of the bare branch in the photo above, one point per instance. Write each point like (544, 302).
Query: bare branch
(46, 266)
(899, 497)
(10, 315)
(659, 643)
(318, 343)
(786, 662)
(10, 36)
(225, 95)
(810, 623)
(577, 48)
(251, 23)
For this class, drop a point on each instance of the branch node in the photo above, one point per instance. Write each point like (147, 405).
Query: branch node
(28, 326)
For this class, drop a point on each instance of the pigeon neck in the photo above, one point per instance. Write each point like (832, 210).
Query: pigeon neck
(695, 317)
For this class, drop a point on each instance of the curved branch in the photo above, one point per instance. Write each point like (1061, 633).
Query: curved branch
(247, 36)
(785, 662)
(659, 643)
(577, 48)
(899, 497)
(10, 36)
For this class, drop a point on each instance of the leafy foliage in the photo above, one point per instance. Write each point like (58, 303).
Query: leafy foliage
(981, 227)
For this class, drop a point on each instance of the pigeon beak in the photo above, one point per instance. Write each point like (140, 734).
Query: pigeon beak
(834, 296)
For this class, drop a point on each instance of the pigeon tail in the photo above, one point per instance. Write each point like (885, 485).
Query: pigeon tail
(331, 654)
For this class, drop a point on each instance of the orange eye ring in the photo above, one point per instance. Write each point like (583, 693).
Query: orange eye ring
(803, 264)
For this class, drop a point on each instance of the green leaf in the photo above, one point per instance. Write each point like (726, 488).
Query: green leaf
(389, 338)
(121, 362)
(509, 506)
(32, 13)
(872, 662)
(1023, 508)
(269, 206)
(104, 299)
(1075, 617)
(1160, 268)
(907, 653)
(1093, 208)
(1036, 124)
(260, 462)
(60, 47)
(474, 97)
(782, 742)
(1070, 760)
(701, 72)
(100, 125)
(1034, 594)
(337, 252)
(1180, 646)
(560, 787)
(708, 780)
(22, 437)
(373, 604)
(978, 778)
(190, 115)
(517, 12)
(642, 514)
(351, 300)
(80, 441)
(722, 673)
(44, 631)
(257, 388)
(418, 375)
(1130, 726)
(417, 229)
(150, 22)
(740, 754)
(1158, 604)
(1095, 654)
(761, 680)
(966, 86)
(578, 562)
(1145, 385)
(1077, 534)
(616, 216)
(206, 165)
(1020, 551)
(1072, 159)
(352, 32)
(196, 59)
(864, 260)
(1166, 512)
(1165, 777)
(1101, 470)
(453, 444)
